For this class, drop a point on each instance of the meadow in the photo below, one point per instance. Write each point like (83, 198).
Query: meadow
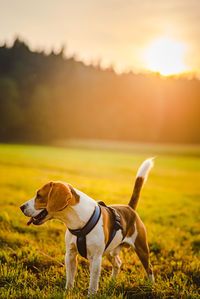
(32, 258)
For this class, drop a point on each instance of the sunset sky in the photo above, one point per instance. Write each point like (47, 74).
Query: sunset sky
(128, 34)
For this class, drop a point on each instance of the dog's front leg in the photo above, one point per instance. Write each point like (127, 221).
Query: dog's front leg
(70, 263)
(95, 270)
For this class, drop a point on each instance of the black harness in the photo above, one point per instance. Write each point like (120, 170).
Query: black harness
(81, 233)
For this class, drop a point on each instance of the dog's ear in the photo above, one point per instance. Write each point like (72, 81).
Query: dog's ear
(75, 196)
(59, 197)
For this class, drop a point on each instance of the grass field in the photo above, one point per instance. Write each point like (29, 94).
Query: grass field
(32, 258)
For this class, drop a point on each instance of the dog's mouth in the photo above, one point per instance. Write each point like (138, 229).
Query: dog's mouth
(37, 220)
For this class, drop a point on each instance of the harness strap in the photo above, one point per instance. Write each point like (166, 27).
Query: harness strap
(117, 224)
(81, 233)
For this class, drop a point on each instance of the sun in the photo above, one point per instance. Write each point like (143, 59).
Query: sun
(166, 56)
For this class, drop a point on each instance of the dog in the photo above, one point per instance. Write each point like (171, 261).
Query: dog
(93, 229)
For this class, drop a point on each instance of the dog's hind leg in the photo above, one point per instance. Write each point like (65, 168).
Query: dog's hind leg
(143, 255)
(142, 250)
(114, 259)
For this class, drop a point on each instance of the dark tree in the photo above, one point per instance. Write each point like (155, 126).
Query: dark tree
(48, 97)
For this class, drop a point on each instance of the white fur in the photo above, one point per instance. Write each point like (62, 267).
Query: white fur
(75, 217)
(144, 169)
(95, 241)
(29, 210)
(131, 240)
(115, 242)
(85, 207)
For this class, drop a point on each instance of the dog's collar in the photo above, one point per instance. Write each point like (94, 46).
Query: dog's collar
(81, 233)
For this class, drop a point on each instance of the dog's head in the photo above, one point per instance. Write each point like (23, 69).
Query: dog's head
(52, 198)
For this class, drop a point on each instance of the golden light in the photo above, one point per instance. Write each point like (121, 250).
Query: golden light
(166, 56)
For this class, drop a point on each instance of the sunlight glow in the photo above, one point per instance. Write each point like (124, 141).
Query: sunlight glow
(166, 56)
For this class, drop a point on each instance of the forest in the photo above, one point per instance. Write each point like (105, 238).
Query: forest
(48, 97)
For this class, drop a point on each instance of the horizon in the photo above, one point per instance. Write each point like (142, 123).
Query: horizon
(115, 33)
(67, 56)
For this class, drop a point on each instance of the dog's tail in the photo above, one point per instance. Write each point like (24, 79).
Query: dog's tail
(141, 178)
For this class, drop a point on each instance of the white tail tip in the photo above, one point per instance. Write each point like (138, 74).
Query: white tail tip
(144, 169)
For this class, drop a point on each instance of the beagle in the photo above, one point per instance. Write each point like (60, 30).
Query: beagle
(61, 201)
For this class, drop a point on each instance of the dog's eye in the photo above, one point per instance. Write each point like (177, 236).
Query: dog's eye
(38, 195)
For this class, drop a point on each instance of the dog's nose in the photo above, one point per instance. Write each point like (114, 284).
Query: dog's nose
(22, 208)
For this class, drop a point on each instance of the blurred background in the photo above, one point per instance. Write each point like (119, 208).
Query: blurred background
(89, 90)
(106, 70)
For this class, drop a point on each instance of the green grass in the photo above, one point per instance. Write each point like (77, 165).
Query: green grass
(32, 258)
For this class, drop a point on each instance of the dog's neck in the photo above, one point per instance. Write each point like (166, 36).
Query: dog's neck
(75, 217)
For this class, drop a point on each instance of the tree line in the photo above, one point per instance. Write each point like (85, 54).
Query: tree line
(48, 97)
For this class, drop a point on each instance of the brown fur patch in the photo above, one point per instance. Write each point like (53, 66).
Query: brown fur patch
(136, 192)
(75, 197)
(141, 246)
(127, 219)
(42, 195)
(107, 223)
(59, 197)
(55, 196)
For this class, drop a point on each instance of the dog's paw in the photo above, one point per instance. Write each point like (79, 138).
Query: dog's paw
(69, 288)
(151, 278)
(91, 293)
